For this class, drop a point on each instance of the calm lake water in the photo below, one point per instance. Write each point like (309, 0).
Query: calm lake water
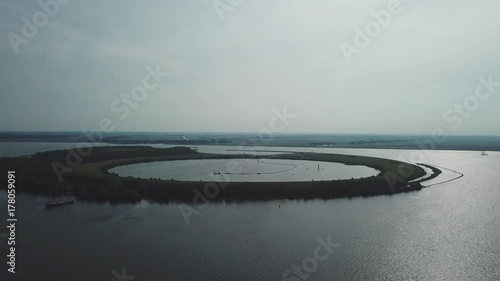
(244, 170)
(449, 231)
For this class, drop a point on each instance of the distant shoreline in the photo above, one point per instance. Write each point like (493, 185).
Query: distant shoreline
(418, 142)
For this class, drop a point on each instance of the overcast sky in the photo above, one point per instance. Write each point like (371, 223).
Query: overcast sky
(228, 75)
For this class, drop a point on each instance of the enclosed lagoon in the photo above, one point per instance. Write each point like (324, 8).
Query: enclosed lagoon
(244, 170)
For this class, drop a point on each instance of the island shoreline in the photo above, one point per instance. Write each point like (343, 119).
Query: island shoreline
(92, 181)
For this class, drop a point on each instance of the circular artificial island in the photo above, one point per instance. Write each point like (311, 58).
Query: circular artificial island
(128, 173)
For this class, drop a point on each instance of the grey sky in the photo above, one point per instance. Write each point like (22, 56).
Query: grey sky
(229, 75)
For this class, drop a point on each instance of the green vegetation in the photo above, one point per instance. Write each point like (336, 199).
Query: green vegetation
(92, 181)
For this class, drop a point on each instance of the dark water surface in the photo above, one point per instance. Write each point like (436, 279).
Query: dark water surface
(445, 232)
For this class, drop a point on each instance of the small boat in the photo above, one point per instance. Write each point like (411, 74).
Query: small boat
(60, 201)
(484, 154)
